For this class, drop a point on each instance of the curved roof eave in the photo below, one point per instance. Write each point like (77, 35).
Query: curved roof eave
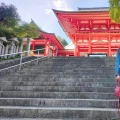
(54, 36)
(81, 11)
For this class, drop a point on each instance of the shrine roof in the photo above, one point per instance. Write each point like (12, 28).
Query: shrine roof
(52, 37)
(84, 10)
(93, 9)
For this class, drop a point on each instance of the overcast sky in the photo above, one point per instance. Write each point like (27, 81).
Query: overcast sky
(41, 11)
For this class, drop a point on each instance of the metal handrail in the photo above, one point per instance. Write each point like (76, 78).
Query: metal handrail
(19, 64)
(21, 57)
(20, 52)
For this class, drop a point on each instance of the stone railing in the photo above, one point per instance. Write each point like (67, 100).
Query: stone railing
(12, 45)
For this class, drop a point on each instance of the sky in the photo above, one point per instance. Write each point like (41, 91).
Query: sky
(41, 11)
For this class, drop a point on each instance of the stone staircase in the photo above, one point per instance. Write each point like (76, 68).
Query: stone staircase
(62, 88)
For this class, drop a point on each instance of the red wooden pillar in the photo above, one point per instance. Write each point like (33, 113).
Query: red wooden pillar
(75, 51)
(89, 45)
(55, 51)
(109, 46)
(46, 51)
(76, 47)
(33, 46)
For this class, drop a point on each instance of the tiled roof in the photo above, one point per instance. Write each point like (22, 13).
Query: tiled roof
(94, 9)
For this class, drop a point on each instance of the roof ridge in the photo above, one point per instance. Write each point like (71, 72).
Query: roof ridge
(93, 9)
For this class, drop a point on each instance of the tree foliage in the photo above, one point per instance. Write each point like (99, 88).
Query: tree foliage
(8, 15)
(27, 30)
(115, 10)
(9, 24)
(62, 41)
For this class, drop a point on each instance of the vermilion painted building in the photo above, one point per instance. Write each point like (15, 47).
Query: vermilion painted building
(51, 44)
(91, 30)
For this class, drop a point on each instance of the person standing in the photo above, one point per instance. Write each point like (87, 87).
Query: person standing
(117, 65)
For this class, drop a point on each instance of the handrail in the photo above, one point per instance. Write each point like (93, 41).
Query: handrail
(20, 52)
(21, 57)
(19, 64)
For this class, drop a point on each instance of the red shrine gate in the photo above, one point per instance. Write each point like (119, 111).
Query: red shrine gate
(91, 30)
(51, 44)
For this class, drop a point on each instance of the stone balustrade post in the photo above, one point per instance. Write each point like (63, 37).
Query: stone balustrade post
(13, 46)
(21, 46)
(2, 47)
(6, 50)
(27, 46)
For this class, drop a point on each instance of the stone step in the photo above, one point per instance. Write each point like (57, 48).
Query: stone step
(63, 76)
(58, 113)
(86, 83)
(65, 73)
(66, 88)
(77, 95)
(74, 70)
(46, 102)
(83, 58)
(85, 65)
(58, 89)
(42, 119)
(78, 66)
(46, 69)
(56, 79)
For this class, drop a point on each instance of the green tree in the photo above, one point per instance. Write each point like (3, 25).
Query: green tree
(9, 24)
(115, 10)
(8, 19)
(26, 30)
(62, 41)
(8, 15)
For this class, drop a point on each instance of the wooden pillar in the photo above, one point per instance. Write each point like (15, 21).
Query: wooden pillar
(89, 45)
(109, 46)
(33, 46)
(75, 51)
(48, 53)
(47, 46)
(76, 47)
(45, 49)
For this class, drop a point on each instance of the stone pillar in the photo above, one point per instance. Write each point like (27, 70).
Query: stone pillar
(21, 46)
(17, 48)
(13, 46)
(27, 46)
(6, 50)
(3, 50)
(2, 47)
